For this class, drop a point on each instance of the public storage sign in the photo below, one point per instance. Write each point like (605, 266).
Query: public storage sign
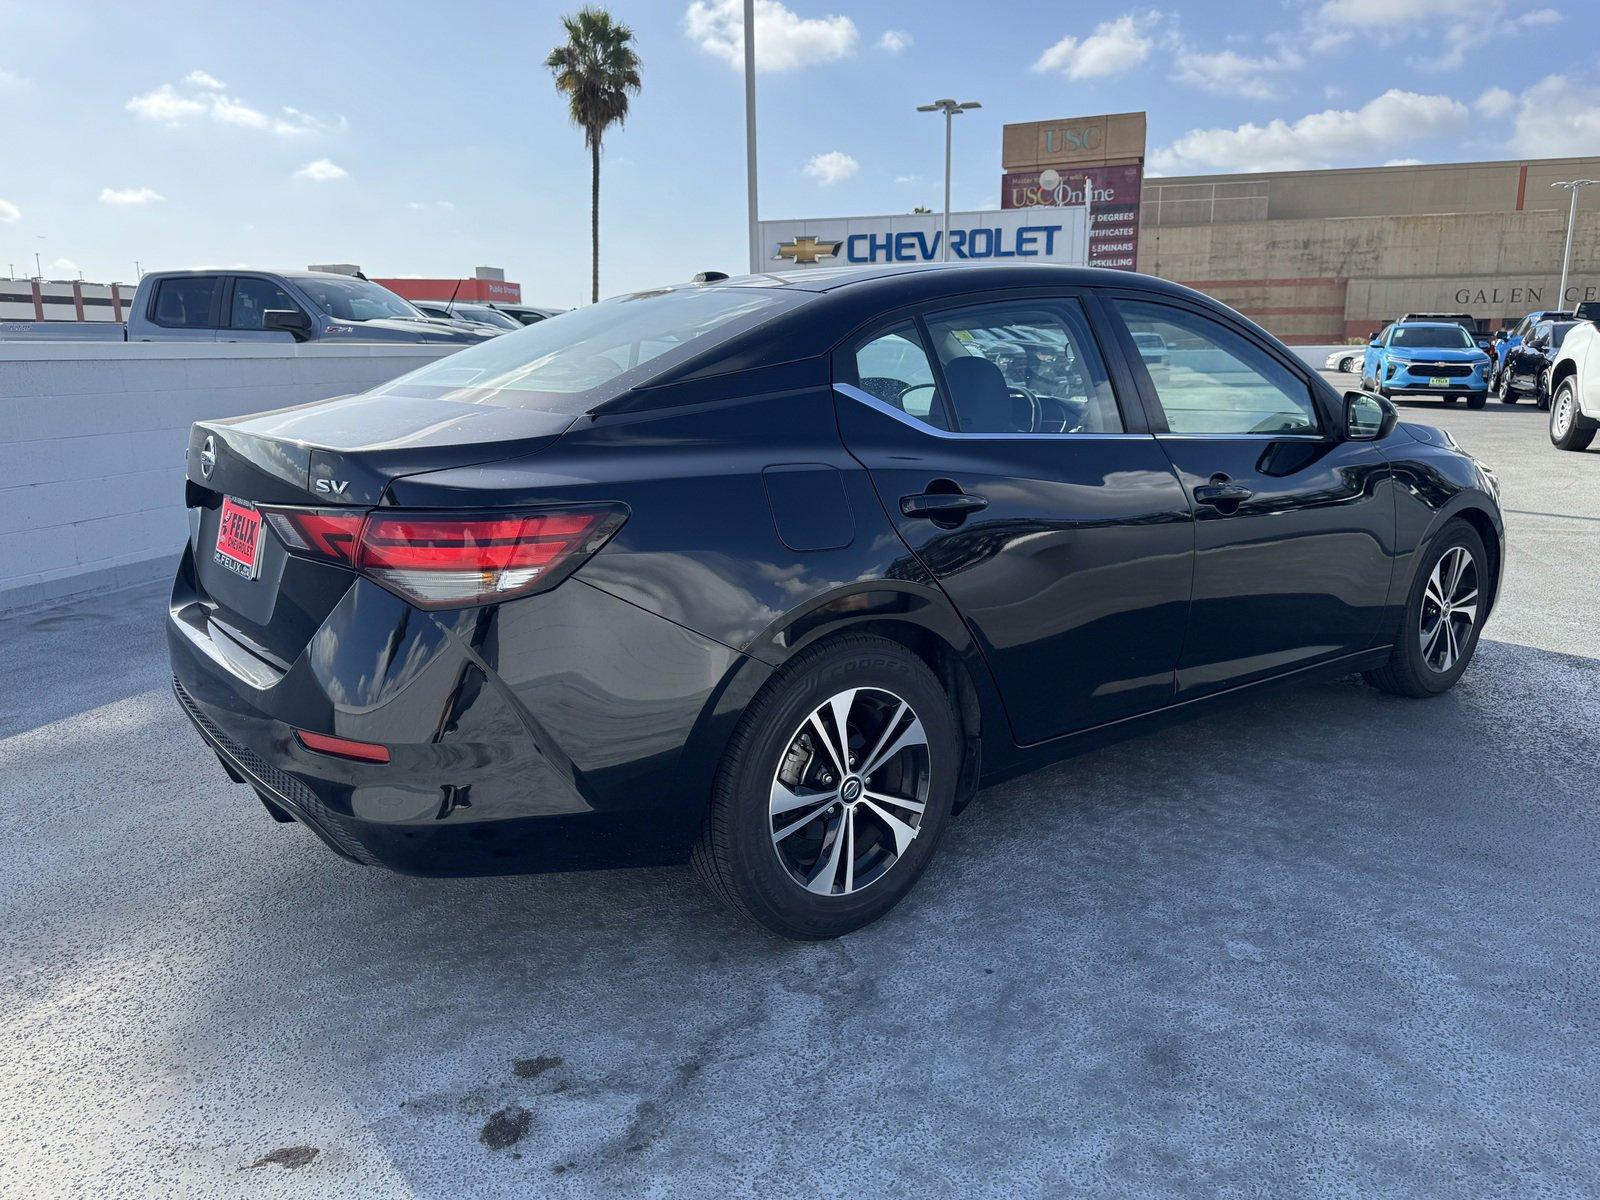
(1054, 235)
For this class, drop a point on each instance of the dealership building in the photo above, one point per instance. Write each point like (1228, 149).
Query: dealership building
(1319, 256)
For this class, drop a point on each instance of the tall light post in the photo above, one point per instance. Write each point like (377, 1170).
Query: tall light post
(1573, 186)
(750, 133)
(950, 109)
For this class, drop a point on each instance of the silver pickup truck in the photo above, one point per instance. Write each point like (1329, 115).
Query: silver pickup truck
(271, 306)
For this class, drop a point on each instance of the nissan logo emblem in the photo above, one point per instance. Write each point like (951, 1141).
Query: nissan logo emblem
(208, 458)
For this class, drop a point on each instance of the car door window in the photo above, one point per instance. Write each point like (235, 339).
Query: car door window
(185, 302)
(894, 368)
(1216, 381)
(251, 300)
(1023, 367)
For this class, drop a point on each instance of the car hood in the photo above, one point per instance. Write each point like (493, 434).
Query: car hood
(399, 329)
(1441, 354)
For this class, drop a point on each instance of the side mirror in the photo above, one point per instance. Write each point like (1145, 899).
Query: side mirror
(1589, 310)
(287, 320)
(1373, 342)
(1367, 418)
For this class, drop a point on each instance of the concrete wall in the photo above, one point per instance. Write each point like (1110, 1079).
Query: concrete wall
(92, 439)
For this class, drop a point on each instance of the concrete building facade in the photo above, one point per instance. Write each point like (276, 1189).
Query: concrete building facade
(1329, 256)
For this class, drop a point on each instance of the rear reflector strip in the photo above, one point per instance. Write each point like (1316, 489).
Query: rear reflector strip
(342, 747)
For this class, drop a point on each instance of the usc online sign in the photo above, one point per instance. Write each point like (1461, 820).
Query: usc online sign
(1054, 235)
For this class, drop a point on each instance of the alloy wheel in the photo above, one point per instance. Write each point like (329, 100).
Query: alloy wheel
(1449, 609)
(849, 792)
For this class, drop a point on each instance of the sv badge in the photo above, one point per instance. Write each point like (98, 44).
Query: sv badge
(333, 487)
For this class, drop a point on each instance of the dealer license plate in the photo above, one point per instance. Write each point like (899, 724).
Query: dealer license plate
(238, 538)
(1438, 381)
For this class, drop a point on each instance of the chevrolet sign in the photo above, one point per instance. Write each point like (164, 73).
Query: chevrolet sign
(1054, 235)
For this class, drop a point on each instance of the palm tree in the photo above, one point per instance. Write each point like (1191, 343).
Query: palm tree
(598, 70)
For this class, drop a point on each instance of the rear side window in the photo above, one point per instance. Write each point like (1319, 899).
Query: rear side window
(894, 367)
(569, 363)
(251, 300)
(185, 302)
(1023, 367)
(1213, 380)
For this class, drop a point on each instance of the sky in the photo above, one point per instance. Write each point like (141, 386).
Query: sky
(427, 138)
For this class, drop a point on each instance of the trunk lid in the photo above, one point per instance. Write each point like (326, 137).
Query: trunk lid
(334, 453)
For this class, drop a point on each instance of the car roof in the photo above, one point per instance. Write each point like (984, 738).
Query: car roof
(1426, 325)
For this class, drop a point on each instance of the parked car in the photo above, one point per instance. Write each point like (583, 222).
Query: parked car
(775, 575)
(1575, 382)
(1519, 333)
(1152, 348)
(473, 314)
(268, 306)
(1427, 358)
(527, 314)
(1343, 360)
(1527, 368)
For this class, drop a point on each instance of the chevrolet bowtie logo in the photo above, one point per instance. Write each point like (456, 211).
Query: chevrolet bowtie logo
(807, 249)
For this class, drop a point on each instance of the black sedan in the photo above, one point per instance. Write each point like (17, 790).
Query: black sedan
(1526, 370)
(773, 574)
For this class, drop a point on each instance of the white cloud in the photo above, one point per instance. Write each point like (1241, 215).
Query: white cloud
(833, 167)
(1229, 73)
(322, 171)
(784, 40)
(1557, 118)
(1453, 30)
(201, 96)
(430, 205)
(11, 80)
(66, 265)
(894, 40)
(908, 178)
(1337, 136)
(1402, 162)
(1113, 47)
(1495, 103)
(139, 195)
(9, 212)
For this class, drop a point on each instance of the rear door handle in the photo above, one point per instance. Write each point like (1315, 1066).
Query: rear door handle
(947, 505)
(1218, 494)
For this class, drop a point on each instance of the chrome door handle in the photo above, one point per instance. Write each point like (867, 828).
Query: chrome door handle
(1218, 494)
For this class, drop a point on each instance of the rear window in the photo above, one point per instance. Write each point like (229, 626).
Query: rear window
(571, 362)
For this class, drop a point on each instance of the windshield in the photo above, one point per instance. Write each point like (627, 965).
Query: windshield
(356, 300)
(571, 362)
(1432, 337)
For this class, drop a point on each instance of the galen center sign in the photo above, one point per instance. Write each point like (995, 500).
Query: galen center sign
(1059, 235)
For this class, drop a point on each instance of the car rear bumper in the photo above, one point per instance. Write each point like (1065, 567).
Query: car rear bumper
(539, 767)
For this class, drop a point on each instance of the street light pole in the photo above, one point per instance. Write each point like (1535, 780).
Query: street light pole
(1572, 185)
(951, 109)
(750, 133)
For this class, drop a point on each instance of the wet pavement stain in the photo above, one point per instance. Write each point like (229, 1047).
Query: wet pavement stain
(290, 1158)
(506, 1127)
(532, 1068)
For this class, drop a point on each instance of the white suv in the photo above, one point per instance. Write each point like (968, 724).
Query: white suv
(1575, 383)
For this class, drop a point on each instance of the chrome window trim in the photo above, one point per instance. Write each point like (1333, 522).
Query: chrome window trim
(850, 391)
(1233, 437)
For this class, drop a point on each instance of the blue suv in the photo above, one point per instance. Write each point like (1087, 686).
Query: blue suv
(1426, 358)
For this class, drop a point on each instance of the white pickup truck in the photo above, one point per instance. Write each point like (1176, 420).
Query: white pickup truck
(1575, 383)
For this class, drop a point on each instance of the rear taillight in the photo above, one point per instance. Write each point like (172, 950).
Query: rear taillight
(449, 560)
(342, 747)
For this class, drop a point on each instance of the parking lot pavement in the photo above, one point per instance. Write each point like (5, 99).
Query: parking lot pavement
(1324, 943)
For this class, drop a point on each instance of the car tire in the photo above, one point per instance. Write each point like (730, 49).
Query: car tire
(1346, 365)
(1503, 391)
(1421, 665)
(1569, 428)
(773, 759)
(1479, 399)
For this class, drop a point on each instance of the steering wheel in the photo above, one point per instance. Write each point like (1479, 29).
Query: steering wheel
(1035, 410)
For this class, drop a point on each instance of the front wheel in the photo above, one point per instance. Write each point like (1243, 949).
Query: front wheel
(1569, 428)
(1444, 613)
(1479, 399)
(834, 791)
(1502, 388)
